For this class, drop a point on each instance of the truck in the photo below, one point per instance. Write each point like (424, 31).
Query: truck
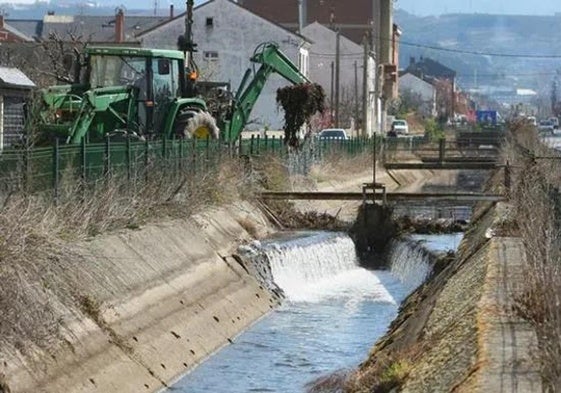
(487, 117)
(153, 93)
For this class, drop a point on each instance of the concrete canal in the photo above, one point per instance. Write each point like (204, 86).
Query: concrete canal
(332, 313)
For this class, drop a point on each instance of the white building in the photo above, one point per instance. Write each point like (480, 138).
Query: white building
(424, 90)
(227, 35)
(322, 61)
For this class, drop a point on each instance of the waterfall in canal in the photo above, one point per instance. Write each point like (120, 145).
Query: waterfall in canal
(324, 265)
(409, 262)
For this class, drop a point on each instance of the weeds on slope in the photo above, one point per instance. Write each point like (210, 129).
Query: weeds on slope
(537, 201)
(40, 278)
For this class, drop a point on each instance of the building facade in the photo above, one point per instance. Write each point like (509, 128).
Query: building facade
(227, 35)
(421, 90)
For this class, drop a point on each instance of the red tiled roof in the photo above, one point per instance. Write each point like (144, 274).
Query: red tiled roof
(358, 13)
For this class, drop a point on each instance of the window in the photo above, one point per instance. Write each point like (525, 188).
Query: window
(209, 22)
(210, 55)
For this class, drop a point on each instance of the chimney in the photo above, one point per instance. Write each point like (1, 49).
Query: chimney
(120, 26)
(302, 15)
(1, 21)
(171, 13)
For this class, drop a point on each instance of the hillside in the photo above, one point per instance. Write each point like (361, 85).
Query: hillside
(510, 34)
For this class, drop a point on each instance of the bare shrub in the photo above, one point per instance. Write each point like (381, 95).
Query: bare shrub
(38, 273)
(385, 374)
(537, 205)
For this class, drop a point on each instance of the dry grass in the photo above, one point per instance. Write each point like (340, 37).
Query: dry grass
(38, 273)
(537, 204)
(338, 166)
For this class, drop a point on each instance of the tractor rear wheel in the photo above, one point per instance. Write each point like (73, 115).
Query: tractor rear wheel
(191, 123)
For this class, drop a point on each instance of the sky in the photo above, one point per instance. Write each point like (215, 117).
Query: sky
(417, 7)
(520, 7)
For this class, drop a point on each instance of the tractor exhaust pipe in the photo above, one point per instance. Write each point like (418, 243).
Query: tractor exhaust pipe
(302, 15)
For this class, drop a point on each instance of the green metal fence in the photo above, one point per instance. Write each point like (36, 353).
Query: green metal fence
(44, 168)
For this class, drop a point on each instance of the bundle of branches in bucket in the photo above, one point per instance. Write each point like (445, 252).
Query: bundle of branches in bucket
(300, 102)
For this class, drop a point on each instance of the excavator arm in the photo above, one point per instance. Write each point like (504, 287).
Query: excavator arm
(272, 60)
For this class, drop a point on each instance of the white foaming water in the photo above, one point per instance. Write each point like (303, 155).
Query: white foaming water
(324, 266)
(409, 263)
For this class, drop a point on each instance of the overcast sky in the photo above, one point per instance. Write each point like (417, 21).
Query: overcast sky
(522, 7)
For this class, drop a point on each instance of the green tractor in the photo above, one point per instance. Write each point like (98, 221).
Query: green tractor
(149, 94)
(125, 92)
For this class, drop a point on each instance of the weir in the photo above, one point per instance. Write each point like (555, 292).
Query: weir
(332, 313)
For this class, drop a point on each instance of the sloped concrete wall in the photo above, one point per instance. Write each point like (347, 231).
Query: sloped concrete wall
(169, 296)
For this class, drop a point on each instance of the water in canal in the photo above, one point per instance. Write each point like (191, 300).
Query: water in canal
(333, 313)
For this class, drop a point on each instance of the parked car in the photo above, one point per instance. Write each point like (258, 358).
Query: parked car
(333, 133)
(400, 127)
(546, 126)
(555, 122)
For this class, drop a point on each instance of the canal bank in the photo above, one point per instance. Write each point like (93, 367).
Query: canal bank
(135, 309)
(153, 303)
(458, 332)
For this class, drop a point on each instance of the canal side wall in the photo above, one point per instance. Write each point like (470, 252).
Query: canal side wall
(458, 331)
(155, 302)
(138, 308)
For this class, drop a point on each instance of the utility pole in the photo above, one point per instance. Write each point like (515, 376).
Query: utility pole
(356, 97)
(332, 92)
(365, 92)
(337, 74)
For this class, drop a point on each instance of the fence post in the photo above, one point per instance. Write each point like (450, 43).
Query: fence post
(56, 180)
(194, 153)
(258, 144)
(266, 143)
(107, 158)
(374, 148)
(441, 150)
(240, 149)
(251, 145)
(128, 157)
(164, 151)
(207, 155)
(507, 179)
(146, 158)
(83, 166)
(181, 143)
(273, 144)
(26, 168)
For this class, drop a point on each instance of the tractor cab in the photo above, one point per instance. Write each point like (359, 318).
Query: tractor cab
(120, 89)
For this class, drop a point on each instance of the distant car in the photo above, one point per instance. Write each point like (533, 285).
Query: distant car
(546, 126)
(400, 127)
(532, 121)
(333, 134)
(555, 122)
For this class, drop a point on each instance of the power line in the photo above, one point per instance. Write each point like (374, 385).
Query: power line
(469, 52)
(451, 50)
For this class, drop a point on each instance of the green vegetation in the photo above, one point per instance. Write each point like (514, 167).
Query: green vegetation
(433, 130)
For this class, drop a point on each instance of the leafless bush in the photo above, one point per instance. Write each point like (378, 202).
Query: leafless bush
(38, 273)
(538, 205)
